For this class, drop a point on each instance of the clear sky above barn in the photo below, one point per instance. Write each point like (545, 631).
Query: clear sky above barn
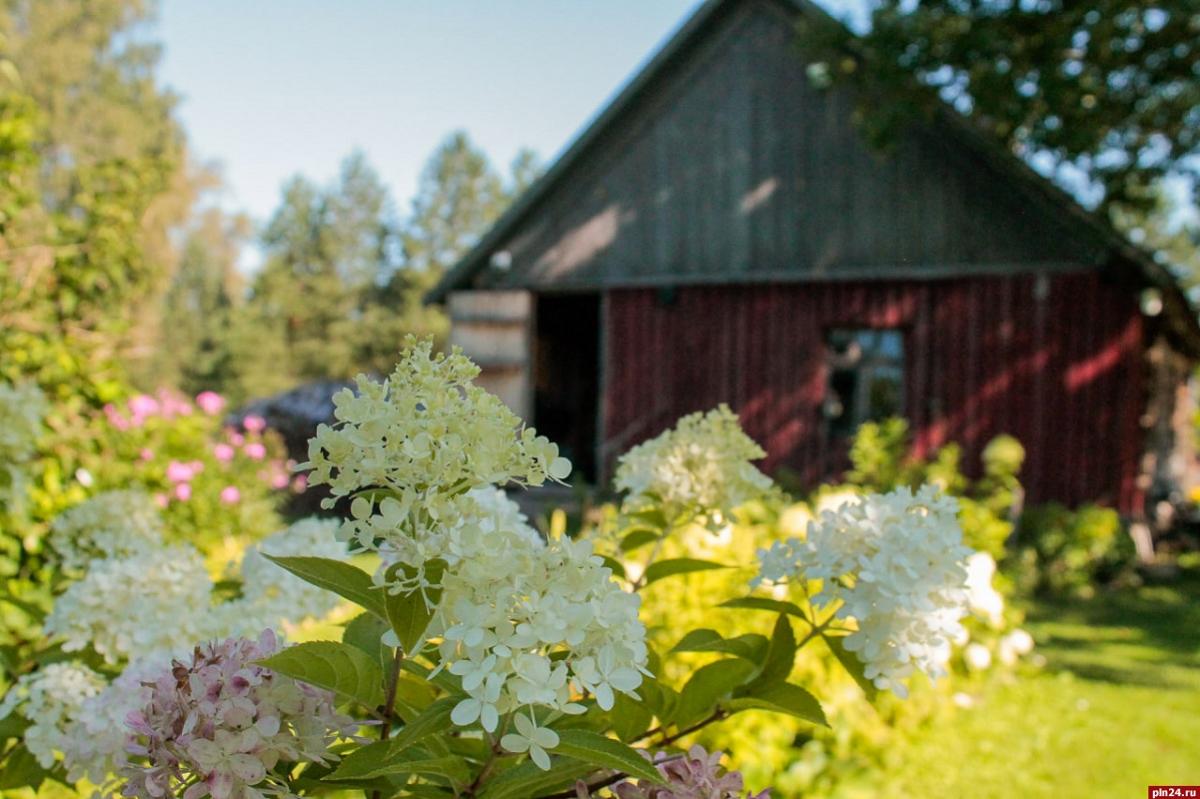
(271, 88)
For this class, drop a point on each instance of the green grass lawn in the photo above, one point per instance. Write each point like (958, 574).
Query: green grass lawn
(1115, 708)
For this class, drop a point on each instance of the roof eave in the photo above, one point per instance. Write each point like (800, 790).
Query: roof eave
(1183, 318)
(479, 255)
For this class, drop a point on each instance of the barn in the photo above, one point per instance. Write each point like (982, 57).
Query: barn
(722, 233)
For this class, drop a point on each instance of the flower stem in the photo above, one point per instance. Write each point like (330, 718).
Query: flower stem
(389, 701)
(640, 582)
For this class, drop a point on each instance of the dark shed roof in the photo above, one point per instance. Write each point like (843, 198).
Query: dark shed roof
(719, 162)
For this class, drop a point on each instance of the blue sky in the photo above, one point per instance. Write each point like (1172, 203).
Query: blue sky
(275, 87)
(271, 88)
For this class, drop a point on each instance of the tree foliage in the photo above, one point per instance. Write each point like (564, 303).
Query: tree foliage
(99, 180)
(1109, 90)
(113, 270)
(343, 276)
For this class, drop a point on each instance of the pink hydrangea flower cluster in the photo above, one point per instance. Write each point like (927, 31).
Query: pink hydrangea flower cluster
(696, 775)
(218, 725)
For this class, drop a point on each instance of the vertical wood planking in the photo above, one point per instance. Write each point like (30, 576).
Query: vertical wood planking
(984, 357)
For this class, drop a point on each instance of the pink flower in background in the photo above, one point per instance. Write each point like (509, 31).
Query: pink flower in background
(237, 439)
(254, 424)
(279, 479)
(183, 492)
(210, 402)
(172, 404)
(230, 495)
(115, 418)
(223, 453)
(180, 472)
(146, 454)
(197, 466)
(161, 500)
(300, 483)
(143, 405)
(255, 450)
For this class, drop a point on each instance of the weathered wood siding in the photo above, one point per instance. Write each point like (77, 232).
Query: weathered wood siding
(494, 329)
(734, 168)
(1055, 362)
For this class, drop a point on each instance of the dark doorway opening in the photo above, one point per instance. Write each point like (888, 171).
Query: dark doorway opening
(566, 376)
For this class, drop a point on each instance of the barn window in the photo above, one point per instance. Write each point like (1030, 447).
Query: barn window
(866, 377)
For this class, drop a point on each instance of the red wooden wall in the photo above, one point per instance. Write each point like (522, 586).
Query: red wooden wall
(1058, 365)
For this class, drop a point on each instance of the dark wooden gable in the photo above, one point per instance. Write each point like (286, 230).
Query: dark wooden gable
(729, 165)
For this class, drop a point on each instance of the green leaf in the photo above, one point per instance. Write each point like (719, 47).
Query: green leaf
(639, 538)
(337, 576)
(413, 695)
(630, 717)
(668, 568)
(781, 698)
(389, 757)
(12, 726)
(659, 698)
(851, 664)
(410, 762)
(21, 770)
(365, 631)
(708, 686)
(443, 679)
(10, 659)
(781, 654)
(697, 638)
(410, 613)
(34, 612)
(751, 646)
(433, 719)
(651, 516)
(343, 669)
(618, 569)
(601, 750)
(423, 792)
(526, 779)
(763, 603)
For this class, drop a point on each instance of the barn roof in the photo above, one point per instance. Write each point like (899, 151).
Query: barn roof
(1071, 227)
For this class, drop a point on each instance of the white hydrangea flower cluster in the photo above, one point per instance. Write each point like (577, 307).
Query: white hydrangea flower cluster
(22, 408)
(701, 467)
(49, 699)
(495, 511)
(509, 601)
(270, 594)
(982, 597)
(110, 524)
(1014, 645)
(423, 437)
(894, 563)
(94, 740)
(156, 601)
(166, 601)
(482, 515)
(525, 623)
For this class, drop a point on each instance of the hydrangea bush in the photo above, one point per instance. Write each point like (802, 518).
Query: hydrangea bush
(211, 480)
(487, 660)
(843, 759)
